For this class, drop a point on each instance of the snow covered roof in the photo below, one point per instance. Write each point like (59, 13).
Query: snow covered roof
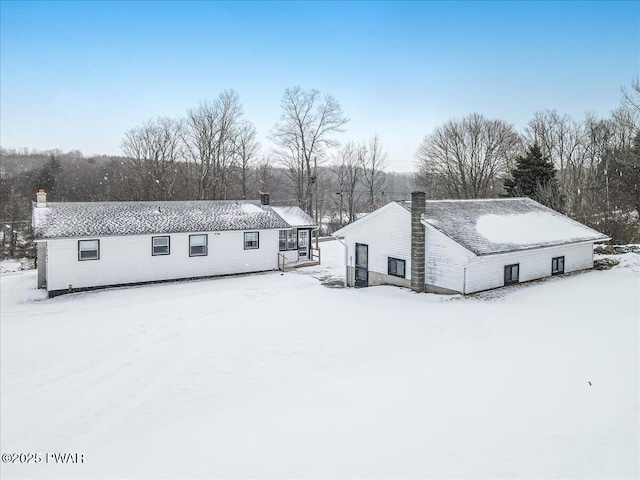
(295, 216)
(503, 225)
(88, 219)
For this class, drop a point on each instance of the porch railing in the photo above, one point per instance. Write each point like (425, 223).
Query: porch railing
(315, 254)
(281, 262)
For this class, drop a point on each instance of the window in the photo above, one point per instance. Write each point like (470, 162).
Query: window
(511, 274)
(160, 246)
(251, 240)
(396, 267)
(197, 245)
(88, 249)
(288, 239)
(557, 265)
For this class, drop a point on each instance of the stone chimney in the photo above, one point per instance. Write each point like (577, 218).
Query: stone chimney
(41, 198)
(418, 206)
(264, 197)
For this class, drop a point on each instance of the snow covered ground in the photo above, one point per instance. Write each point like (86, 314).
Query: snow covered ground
(278, 376)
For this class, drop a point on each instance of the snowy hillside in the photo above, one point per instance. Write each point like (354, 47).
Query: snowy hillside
(278, 376)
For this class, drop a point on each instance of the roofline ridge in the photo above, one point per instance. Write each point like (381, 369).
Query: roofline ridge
(451, 200)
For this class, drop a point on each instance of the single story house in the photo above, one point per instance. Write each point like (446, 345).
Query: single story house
(463, 246)
(85, 245)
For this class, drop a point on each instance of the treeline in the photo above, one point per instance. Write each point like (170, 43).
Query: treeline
(73, 177)
(588, 169)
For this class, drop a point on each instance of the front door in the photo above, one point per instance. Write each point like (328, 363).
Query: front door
(303, 244)
(362, 265)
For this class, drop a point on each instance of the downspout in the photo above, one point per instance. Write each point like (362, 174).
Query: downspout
(464, 279)
(346, 261)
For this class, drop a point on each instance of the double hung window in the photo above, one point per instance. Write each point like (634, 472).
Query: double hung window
(160, 246)
(197, 245)
(251, 240)
(88, 249)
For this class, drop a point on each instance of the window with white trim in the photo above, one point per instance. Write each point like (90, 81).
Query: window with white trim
(88, 249)
(282, 240)
(197, 245)
(251, 240)
(160, 245)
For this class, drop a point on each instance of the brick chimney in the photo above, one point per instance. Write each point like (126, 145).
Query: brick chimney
(264, 197)
(418, 206)
(41, 198)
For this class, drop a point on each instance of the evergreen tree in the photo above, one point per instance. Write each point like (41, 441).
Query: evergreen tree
(533, 173)
(47, 177)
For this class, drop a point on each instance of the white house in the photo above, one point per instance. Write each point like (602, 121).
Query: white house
(96, 244)
(464, 246)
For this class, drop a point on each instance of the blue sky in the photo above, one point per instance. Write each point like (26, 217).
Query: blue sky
(77, 75)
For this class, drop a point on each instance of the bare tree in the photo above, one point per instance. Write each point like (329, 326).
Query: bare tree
(631, 98)
(305, 131)
(247, 149)
(467, 156)
(153, 151)
(580, 152)
(211, 138)
(625, 125)
(348, 173)
(374, 160)
(265, 174)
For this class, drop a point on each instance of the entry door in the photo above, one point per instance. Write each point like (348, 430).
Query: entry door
(362, 265)
(303, 244)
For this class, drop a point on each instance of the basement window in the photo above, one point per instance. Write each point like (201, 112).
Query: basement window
(251, 240)
(396, 267)
(511, 274)
(88, 249)
(160, 246)
(197, 245)
(557, 265)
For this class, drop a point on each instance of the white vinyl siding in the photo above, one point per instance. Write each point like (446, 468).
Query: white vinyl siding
(448, 265)
(126, 259)
(444, 261)
(484, 273)
(387, 233)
